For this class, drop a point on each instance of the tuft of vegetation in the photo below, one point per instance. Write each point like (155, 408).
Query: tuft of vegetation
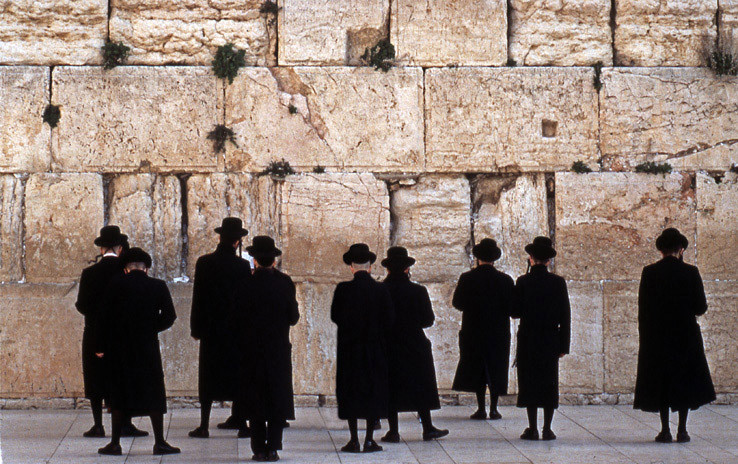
(723, 61)
(220, 135)
(653, 168)
(511, 63)
(51, 115)
(734, 168)
(269, 7)
(114, 54)
(279, 169)
(318, 169)
(580, 168)
(598, 75)
(380, 56)
(228, 60)
(292, 109)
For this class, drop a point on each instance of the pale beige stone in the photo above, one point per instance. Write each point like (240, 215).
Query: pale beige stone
(347, 119)
(663, 32)
(25, 141)
(64, 213)
(510, 119)
(329, 32)
(443, 32)
(512, 210)
(431, 220)
(582, 370)
(52, 32)
(323, 214)
(11, 228)
(717, 226)
(607, 223)
(135, 118)
(620, 335)
(719, 326)
(684, 116)
(560, 32)
(179, 351)
(314, 341)
(728, 26)
(190, 31)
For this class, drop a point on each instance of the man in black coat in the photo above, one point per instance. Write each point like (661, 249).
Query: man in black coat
(542, 304)
(92, 285)
(484, 296)
(412, 376)
(362, 309)
(266, 307)
(672, 367)
(138, 307)
(217, 276)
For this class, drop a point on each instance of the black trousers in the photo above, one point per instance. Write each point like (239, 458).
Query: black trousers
(266, 436)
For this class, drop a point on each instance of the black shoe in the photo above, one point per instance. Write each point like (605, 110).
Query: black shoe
(352, 447)
(244, 432)
(434, 433)
(230, 424)
(664, 437)
(683, 437)
(259, 457)
(479, 415)
(272, 456)
(495, 414)
(110, 450)
(130, 430)
(548, 435)
(165, 448)
(199, 432)
(391, 437)
(97, 431)
(371, 446)
(529, 434)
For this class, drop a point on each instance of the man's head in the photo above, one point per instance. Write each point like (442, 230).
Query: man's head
(359, 258)
(398, 260)
(486, 251)
(671, 242)
(541, 251)
(231, 231)
(264, 251)
(136, 259)
(110, 240)
(361, 267)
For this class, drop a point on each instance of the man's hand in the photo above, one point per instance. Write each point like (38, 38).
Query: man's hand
(99, 355)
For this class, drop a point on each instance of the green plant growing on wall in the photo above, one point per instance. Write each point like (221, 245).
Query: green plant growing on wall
(580, 168)
(292, 109)
(318, 169)
(278, 169)
(380, 56)
(511, 63)
(269, 7)
(722, 61)
(598, 75)
(220, 135)
(228, 60)
(51, 115)
(653, 168)
(114, 54)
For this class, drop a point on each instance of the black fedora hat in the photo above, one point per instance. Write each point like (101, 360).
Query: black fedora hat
(397, 258)
(670, 240)
(541, 249)
(487, 250)
(110, 236)
(263, 245)
(136, 255)
(232, 227)
(359, 253)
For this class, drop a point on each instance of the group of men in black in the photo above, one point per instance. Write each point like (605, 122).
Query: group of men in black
(242, 316)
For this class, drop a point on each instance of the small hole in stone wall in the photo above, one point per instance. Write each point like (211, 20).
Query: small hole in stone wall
(548, 128)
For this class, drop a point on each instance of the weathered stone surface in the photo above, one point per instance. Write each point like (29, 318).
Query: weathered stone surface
(148, 208)
(607, 223)
(717, 226)
(131, 118)
(53, 32)
(512, 210)
(663, 32)
(189, 32)
(331, 127)
(40, 341)
(443, 32)
(11, 228)
(323, 214)
(25, 140)
(529, 119)
(582, 370)
(431, 219)
(620, 330)
(560, 33)
(728, 26)
(64, 213)
(643, 109)
(719, 328)
(326, 32)
(179, 351)
(314, 341)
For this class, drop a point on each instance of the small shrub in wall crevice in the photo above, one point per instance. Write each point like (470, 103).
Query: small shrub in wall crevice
(51, 115)
(220, 135)
(278, 169)
(653, 168)
(580, 168)
(380, 56)
(114, 54)
(228, 60)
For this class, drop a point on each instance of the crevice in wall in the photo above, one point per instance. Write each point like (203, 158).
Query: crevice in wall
(392, 187)
(185, 222)
(23, 179)
(551, 208)
(613, 27)
(473, 180)
(717, 26)
(51, 131)
(108, 192)
(110, 15)
(509, 30)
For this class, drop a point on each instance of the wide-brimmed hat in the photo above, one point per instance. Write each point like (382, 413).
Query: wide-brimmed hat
(110, 236)
(541, 249)
(136, 255)
(232, 227)
(397, 258)
(487, 250)
(359, 253)
(671, 239)
(263, 245)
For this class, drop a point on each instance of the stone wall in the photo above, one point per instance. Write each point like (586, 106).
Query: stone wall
(471, 134)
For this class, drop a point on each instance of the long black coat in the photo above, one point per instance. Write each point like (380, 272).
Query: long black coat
(672, 368)
(90, 302)
(484, 296)
(412, 376)
(139, 307)
(212, 321)
(266, 307)
(362, 309)
(542, 304)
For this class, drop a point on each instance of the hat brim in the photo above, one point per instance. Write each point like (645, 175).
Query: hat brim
(105, 243)
(256, 252)
(486, 254)
(665, 243)
(359, 257)
(231, 233)
(403, 262)
(540, 252)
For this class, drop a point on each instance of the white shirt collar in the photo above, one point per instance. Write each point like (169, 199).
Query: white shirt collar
(110, 253)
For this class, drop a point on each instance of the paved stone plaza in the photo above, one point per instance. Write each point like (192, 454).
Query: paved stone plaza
(587, 434)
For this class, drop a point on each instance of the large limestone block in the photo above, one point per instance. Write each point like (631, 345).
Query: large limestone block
(684, 116)
(347, 118)
(11, 228)
(728, 26)
(189, 32)
(40, 341)
(53, 32)
(582, 370)
(719, 326)
(620, 335)
(25, 141)
(443, 32)
(511, 209)
(64, 213)
(130, 118)
(431, 220)
(717, 226)
(663, 32)
(607, 223)
(560, 33)
(323, 214)
(179, 351)
(510, 119)
(314, 341)
(148, 208)
(329, 32)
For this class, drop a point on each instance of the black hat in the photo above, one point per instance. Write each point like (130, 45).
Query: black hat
(670, 240)
(262, 245)
(124, 243)
(136, 255)
(487, 250)
(359, 253)
(231, 227)
(110, 236)
(397, 258)
(541, 249)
